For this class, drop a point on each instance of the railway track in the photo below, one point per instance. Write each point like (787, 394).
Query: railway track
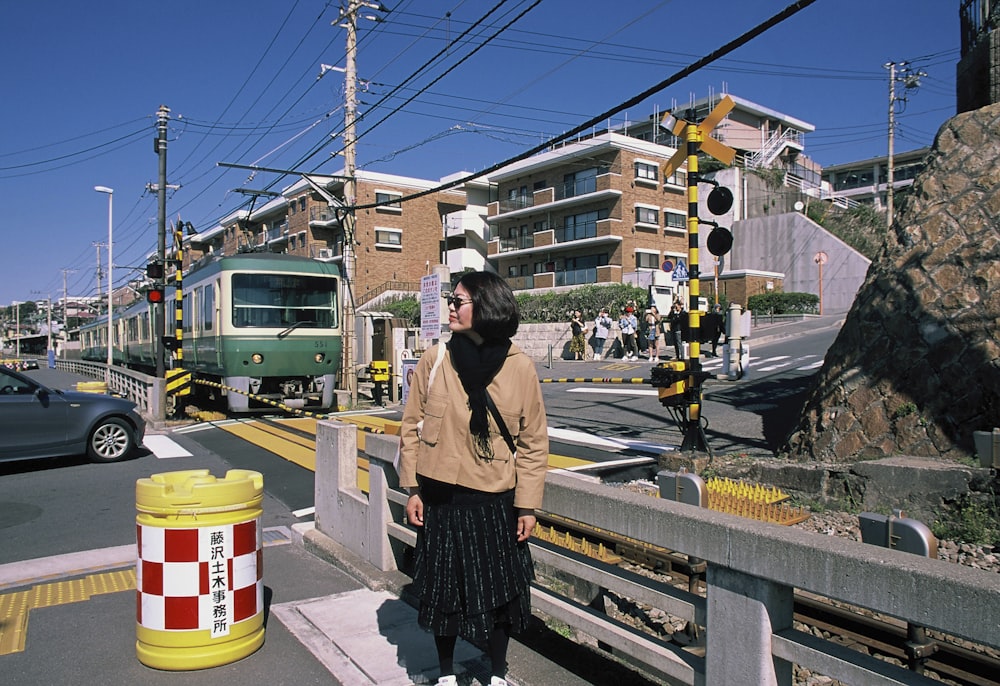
(942, 656)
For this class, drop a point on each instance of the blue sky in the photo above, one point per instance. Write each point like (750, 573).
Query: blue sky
(82, 82)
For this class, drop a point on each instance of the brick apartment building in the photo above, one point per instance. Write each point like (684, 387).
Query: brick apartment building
(591, 211)
(395, 244)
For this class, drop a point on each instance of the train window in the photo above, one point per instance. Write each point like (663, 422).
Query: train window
(282, 300)
(186, 313)
(207, 301)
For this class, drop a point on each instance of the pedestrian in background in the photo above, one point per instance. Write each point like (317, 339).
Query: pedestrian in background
(602, 329)
(628, 325)
(714, 324)
(651, 321)
(675, 322)
(578, 343)
(470, 409)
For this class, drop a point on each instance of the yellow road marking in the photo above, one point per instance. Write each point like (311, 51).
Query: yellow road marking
(14, 607)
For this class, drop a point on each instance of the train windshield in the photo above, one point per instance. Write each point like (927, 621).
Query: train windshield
(283, 300)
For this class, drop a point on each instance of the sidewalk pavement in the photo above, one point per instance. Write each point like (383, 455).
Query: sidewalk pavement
(329, 618)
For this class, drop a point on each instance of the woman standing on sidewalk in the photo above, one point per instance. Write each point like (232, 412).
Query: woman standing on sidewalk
(577, 344)
(472, 503)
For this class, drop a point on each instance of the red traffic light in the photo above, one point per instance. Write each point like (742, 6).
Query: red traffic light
(154, 295)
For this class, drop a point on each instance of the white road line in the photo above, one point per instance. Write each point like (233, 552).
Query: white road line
(815, 365)
(164, 447)
(613, 391)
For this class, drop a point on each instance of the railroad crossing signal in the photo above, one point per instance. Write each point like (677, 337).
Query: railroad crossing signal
(707, 145)
(697, 139)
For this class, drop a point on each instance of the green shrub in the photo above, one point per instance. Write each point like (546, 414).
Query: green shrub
(971, 521)
(775, 302)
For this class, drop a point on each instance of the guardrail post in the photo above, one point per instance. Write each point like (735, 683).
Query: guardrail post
(743, 612)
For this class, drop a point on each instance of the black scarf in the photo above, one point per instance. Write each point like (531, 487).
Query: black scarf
(476, 366)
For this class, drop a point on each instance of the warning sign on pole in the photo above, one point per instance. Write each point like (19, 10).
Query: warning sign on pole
(680, 272)
(430, 306)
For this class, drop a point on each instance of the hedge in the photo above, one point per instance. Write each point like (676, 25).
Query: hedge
(784, 303)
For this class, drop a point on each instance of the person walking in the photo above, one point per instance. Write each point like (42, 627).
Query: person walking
(602, 329)
(675, 321)
(628, 325)
(472, 407)
(715, 327)
(651, 321)
(578, 343)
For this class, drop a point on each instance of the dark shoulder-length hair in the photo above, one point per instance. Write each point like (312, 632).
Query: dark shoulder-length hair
(494, 309)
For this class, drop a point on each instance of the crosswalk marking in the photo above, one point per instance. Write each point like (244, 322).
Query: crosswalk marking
(164, 447)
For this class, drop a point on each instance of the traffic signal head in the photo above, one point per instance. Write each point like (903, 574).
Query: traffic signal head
(720, 241)
(154, 270)
(154, 295)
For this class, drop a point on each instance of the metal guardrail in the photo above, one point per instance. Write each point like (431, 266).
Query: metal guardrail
(754, 568)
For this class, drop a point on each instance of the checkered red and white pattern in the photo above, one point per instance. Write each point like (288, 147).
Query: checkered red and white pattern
(199, 579)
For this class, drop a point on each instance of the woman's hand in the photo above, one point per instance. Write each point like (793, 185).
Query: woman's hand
(525, 525)
(415, 510)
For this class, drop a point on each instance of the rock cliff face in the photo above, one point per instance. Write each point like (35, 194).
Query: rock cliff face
(916, 367)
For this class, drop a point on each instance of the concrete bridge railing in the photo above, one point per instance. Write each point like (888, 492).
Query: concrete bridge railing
(753, 570)
(147, 392)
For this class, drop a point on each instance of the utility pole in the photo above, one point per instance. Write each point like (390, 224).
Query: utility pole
(910, 80)
(65, 272)
(348, 20)
(100, 272)
(159, 310)
(48, 309)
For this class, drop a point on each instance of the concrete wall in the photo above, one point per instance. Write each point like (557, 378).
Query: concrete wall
(787, 243)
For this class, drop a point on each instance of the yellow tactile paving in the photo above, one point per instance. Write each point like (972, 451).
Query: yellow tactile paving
(15, 607)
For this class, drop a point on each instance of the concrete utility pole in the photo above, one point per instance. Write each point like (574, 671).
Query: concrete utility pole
(65, 311)
(349, 20)
(100, 272)
(159, 310)
(910, 80)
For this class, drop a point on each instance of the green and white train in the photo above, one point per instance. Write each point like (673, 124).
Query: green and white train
(264, 324)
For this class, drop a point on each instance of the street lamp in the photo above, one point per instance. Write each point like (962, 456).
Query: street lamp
(111, 196)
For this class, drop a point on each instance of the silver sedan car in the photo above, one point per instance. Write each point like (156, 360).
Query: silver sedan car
(37, 421)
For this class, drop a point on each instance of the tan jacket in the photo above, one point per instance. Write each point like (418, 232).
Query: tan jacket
(444, 450)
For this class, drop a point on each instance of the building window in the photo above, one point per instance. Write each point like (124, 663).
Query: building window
(645, 171)
(302, 204)
(647, 215)
(678, 178)
(675, 221)
(388, 200)
(647, 260)
(388, 238)
(541, 226)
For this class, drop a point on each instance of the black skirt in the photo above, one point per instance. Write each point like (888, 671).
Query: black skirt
(470, 572)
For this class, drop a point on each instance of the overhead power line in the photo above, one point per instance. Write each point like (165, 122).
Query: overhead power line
(729, 47)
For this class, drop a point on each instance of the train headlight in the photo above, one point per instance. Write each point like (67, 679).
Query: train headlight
(257, 358)
(319, 357)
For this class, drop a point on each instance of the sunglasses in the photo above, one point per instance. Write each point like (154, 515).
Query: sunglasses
(456, 302)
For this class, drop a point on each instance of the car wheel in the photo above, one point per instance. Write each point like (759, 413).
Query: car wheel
(110, 441)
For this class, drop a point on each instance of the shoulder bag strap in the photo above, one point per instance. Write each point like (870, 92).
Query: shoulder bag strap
(501, 424)
(437, 363)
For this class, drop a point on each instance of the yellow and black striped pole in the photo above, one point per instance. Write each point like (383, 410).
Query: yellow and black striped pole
(694, 436)
(178, 294)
